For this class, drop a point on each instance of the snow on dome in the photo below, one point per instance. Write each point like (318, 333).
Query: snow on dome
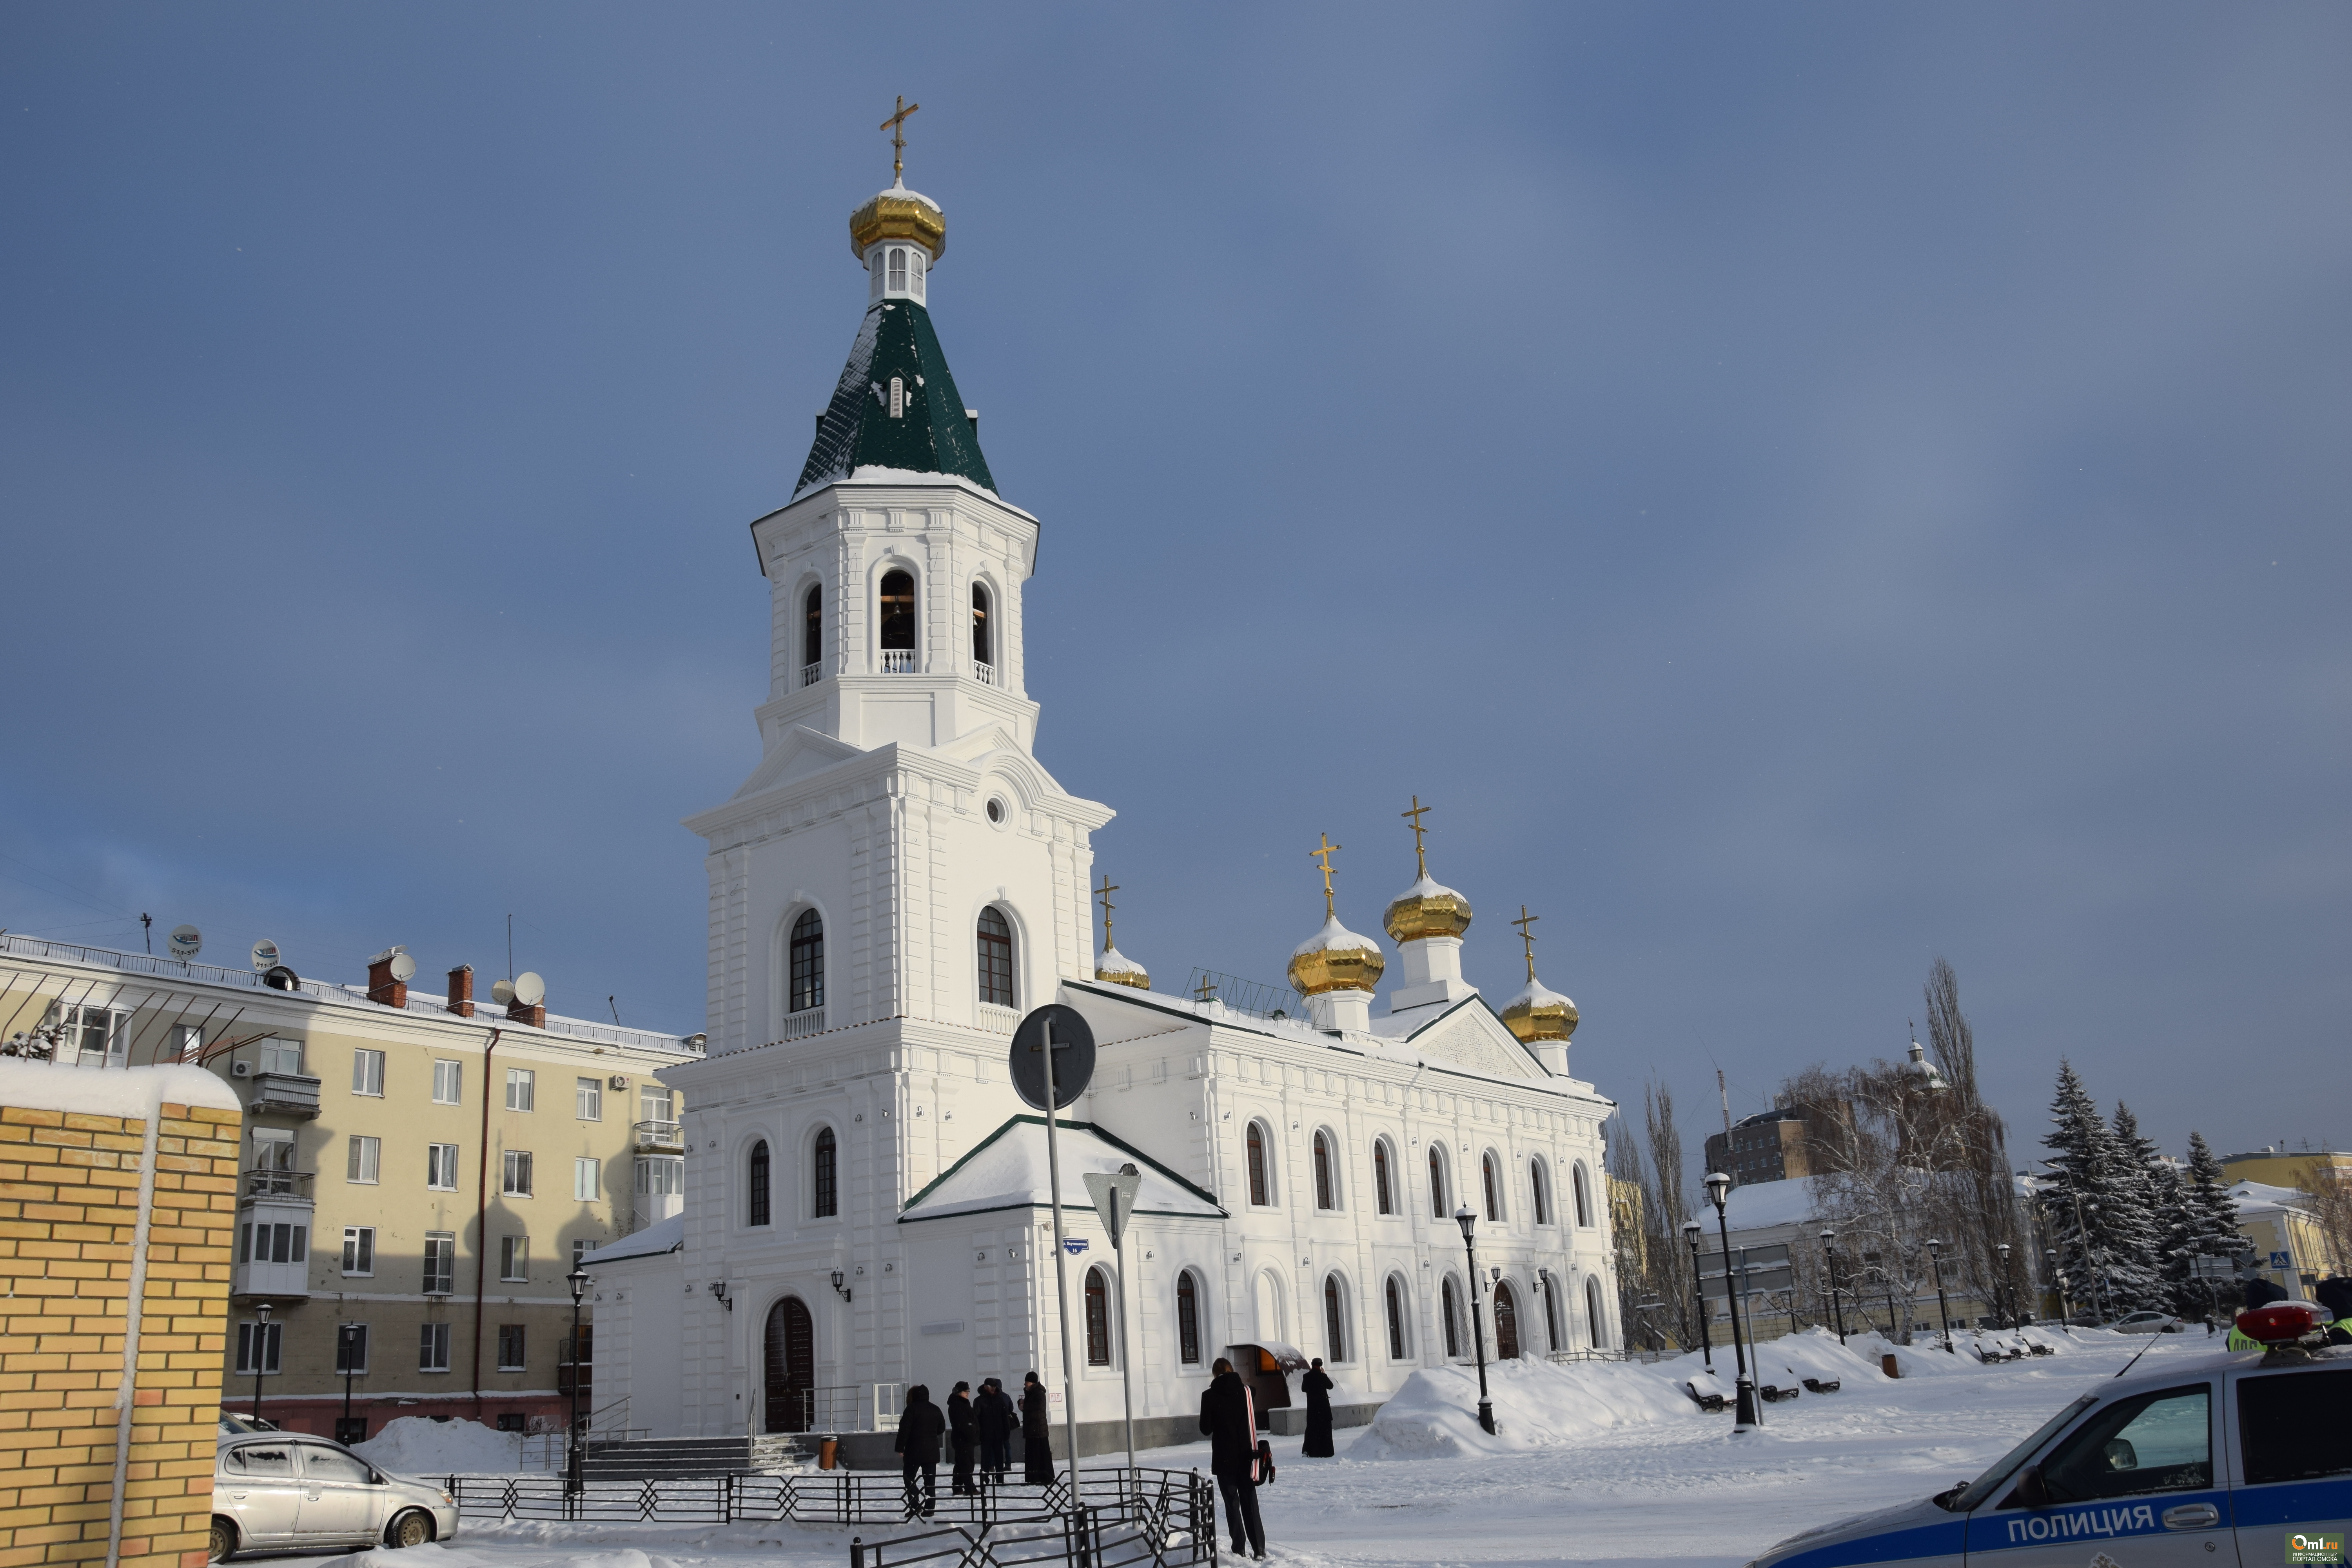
(1539, 1012)
(1425, 910)
(1112, 965)
(898, 214)
(1336, 959)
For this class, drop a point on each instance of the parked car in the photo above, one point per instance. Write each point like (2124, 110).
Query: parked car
(273, 1490)
(2147, 1323)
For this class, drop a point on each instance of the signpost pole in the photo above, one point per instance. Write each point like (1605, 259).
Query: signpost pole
(1061, 1270)
(1127, 1359)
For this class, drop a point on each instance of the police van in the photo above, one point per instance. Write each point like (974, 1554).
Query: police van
(2239, 1461)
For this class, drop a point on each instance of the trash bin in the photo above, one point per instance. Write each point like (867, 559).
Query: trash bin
(1890, 1365)
(828, 1450)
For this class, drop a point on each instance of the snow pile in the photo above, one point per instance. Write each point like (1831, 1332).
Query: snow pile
(419, 1445)
(1537, 1405)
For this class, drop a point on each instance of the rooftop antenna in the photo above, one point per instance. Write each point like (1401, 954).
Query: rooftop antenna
(147, 929)
(616, 1011)
(509, 942)
(1726, 1095)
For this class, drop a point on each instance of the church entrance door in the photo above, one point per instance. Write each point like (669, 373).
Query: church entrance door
(1506, 1324)
(790, 1367)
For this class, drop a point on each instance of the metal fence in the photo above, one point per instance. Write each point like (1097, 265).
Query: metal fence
(1166, 1529)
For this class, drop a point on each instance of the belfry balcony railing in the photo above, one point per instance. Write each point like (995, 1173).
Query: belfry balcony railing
(898, 661)
(810, 673)
(270, 1184)
(803, 1024)
(984, 672)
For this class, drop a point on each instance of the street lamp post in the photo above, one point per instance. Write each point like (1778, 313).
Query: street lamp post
(1943, 1308)
(1837, 1309)
(1699, 1296)
(573, 1479)
(2007, 1318)
(2058, 1278)
(1468, 1222)
(260, 1355)
(347, 1341)
(1718, 1188)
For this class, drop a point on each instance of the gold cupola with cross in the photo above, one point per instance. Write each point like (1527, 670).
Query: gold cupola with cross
(1111, 965)
(1426, 909)
(1536, 1012)
(900, 214)
(1335, 969)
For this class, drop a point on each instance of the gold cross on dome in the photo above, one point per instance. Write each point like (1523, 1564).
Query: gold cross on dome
(1103, 893)
(1420, 861)
(1324, 854)
(1206, 991)
(1528, 937)
(896, 125)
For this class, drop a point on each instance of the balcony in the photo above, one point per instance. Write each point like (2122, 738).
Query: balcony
(284, 1094)
(801, 1024)
(267, 1187)
(984, 672)
(273, 1248)
(898, 661)
(661, 1137)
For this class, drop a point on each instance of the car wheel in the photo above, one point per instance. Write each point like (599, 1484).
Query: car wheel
(224, 1541)
(413, 1528)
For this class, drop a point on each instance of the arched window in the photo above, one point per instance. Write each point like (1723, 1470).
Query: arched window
(812, 636)
(1555, 1311)
(915, 260)
(1335, 1322)
(981, 650)
(822, 1182)
(1098, 1319)
(1506, 1321)
(808, 962)
(995, 959)
(757, 1207)
(1383, 1194)
(898, 623)
(1450, 1310)
(1583, 1196)
(1393, 1294)
(1538, 1186)
(897, 269)
(1592, 1312)
(1493, 1179)
(1437, 1209)
(1261, 1192)
(1188, 1319)
(1326, 1195)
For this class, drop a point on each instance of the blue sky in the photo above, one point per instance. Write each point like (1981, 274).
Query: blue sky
(1800, 490)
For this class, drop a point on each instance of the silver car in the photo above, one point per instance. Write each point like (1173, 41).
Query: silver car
(273, 1490)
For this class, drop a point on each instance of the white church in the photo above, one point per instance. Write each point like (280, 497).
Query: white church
(895, 884)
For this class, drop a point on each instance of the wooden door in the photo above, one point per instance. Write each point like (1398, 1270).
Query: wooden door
(1506, 1324)
(790, 1367)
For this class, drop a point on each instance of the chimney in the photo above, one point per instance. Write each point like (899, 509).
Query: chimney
(461, 990)
(535, 1014)
(382, 986)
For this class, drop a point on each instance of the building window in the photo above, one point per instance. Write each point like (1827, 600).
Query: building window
(363, 1159)
(1383, 1193)
(1583, 1198)
(982, 652)
(522, 1089)
(277, 1056)
(995, 959)
(588, 1099)
(358, 1249)
(273, 1243)
(1335, 1320)
(660, 1177)
(758, 1179)
(1326, 1195)
(1260, 1192)
(351, 1349)
(367, 1073)
(587, 1180)
(812, 634)
(441, 1267)
(1494, 1183)
(1188, 1319)
(1593, 1314)
(510, 1348)
(514, 1259)
(1451, 1313)
(656, 1103)
(823, 1183)
(1555, 1310)
(1437, 1184)
(448, 1082)
(432, 1347)
(256, 1347)
(581, 1248)
(92, 1037)
(1098, 1319)
(1394, 1292)
(897, 269)
(441, 1167)
(897, 620)
(1536, 1187)
(187, 1041)
(808, 962)
(518, 1174)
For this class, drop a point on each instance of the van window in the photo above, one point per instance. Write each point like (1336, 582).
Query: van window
(255, 1460)
(2291, 1426)
(2160, 1442)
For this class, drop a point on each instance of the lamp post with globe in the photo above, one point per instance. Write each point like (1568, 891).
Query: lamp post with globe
(1718, 1188)
(1837, 1307)
(1469, 1223)
(1699, 1296)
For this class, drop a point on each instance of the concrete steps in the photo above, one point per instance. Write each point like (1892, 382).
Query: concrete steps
(667, 1458)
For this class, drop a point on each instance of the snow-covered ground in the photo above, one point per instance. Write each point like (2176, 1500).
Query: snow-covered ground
(1601, 1464)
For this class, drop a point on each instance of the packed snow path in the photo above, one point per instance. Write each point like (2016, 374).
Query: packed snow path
(1646, 1480)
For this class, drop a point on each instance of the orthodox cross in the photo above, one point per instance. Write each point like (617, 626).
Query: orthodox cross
(1420, 861)
(1206, 991)
(1103, 893)
(896, 125)
(1528, 937)
(1324, 854)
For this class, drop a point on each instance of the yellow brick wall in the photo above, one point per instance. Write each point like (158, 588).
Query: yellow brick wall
(69, 1213)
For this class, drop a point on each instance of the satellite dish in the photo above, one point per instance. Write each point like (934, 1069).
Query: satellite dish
(277, 977)
(265, 955)
(502, 991)
(403, 968)
(185, 942)
(1074, 1055)
(529, 989)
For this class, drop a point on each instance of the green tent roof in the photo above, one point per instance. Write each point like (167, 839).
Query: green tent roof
(932, 437)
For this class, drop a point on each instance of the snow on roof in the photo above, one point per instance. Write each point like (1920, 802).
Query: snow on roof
(1008, 1171)
(662, 1236)
(1534, 994)
(1334, 935)
(1110, 961)
(2262, 1194)
(114, 1091)
(1756, 1204)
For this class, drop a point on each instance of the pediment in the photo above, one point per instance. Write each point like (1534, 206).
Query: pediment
(1471, 1037)
(803, 752)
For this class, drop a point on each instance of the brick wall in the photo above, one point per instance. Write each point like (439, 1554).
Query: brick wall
(69, 1208)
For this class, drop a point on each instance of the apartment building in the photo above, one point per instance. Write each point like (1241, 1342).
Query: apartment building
(419, 1175)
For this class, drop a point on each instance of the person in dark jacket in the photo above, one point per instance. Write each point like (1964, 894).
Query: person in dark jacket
(917, 1445)
(993, 1414)
(1037, 1434)
(1229, 1421)
(2334, 1293)
(963, 1434)
(1317, 1384)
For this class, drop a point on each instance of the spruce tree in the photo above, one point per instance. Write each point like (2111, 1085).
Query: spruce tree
(2134, 1227)
(2095, 1208)
(2209, 1221)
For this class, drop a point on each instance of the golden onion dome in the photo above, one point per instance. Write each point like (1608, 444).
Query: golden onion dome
(1336, 959)
(1537, 1014)
(900, 214)
(1426, 910)
(1115, 968)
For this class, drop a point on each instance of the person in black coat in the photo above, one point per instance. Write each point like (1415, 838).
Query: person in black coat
(1229, 1421)
(917, 1445)
(993, 1414)
(1037, 1434)
(963, 1434)
(1317, 1384)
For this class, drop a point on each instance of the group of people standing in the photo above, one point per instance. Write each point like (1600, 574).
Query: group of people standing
(979, 1430)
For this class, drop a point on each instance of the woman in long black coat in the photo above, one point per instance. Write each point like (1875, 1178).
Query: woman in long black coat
(1317, 1384)
(1036, 1429)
